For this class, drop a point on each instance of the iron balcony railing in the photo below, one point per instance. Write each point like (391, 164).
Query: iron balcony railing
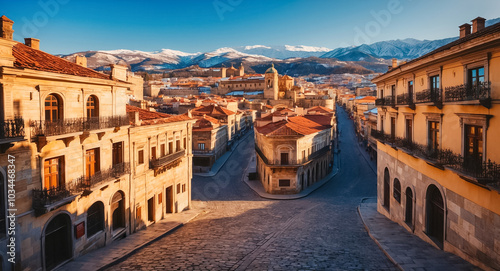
(379, 102)
(44, 197)
(167, 159)
(468, 92)
(86, 183)
(404, 99)
(74, 125)
(428, 96)
(483, 171)
(203, 151)
(293, 162)
(390, 100)
(12, 128)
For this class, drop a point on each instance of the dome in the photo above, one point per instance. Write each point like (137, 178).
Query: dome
(272, 69)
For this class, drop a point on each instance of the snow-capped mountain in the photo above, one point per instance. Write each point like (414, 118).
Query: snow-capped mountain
(284, 51)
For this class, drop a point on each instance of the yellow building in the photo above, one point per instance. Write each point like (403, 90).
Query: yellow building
(76, 159)
(438, 122)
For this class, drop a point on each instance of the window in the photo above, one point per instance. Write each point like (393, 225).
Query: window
(138, 213)
(52, 171)
(183, 188)
(117, 153)
(473, 157)
(410, 91)
(393, 91)
(95, 218)
(284, 158)
(434, 87)
(397, 190)
(201, 146)
(160, 198)
(433, 136)
(170, 147)
(92, 107)
(140, 157)
(178, 188)
(91, 162)
(153, 153)
(151, 209)
(177, 145)
(476, 76)
(304, 155)
(393, 127)
(409, 130)
(52, 108)
(409, 207)
(387, 190)
(284, 183)
(185, 143)
(162, 150)
(382, 124)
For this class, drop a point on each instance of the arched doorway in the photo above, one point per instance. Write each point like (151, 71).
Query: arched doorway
(58, 246)
(118, 211)
(435, 214)
(387, 189)
(409, 207)
(95, 218)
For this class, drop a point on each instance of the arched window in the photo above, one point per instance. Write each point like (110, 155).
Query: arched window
(95, 219)
(92, 107)
(387, 190)
(118, 211)
(397, 190)
(409, 207)
(435, 214)
(53, 110)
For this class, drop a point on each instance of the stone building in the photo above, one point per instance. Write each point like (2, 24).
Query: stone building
(294, 152)
(232, 71)
(224, 115)
(210, 139)
(438, 122)
(65, 129)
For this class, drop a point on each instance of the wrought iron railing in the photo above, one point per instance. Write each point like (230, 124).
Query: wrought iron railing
(467, 92)
(428, 96)
(74, 125)
(483, 171)
(12, 128)
(293, 162)
(203, 151)
(404, 99)
(379, 102)
(44, 197)
(167, 159)
(390, 100)
(86, 183)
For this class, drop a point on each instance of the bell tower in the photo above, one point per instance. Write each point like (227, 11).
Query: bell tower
(271, 84)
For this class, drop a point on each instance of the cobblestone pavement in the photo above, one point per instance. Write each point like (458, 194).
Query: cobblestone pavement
(241, 231)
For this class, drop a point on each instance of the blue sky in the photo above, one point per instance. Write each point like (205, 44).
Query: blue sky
(67, 26)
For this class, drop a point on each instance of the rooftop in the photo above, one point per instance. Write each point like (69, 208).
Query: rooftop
(295, 126)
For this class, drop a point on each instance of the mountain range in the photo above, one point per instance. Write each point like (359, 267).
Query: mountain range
(293, 60)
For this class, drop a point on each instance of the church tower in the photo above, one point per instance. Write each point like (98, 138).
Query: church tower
(242, 69)
(271, 87)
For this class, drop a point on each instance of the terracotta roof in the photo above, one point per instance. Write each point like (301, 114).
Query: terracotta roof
(292, 126)
(29, 58)
(325, 120)
(321, 109)
(149, 118)
(212, 110)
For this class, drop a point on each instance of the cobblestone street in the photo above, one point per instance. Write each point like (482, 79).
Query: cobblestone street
(240, 231)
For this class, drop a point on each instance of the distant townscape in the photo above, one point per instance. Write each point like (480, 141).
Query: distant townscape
(107, 152)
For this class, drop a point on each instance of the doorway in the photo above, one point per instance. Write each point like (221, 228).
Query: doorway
(169, 200)
(57, 245)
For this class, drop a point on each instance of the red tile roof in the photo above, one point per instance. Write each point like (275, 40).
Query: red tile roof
(29, 58)
(320, 109)
(149, 118)
(212, 110)
(292, 126)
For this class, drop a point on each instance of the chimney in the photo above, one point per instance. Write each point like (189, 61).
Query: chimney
(33, 43)
(478, 24)
(133, 117)
(81, 60)
(118, 72)
(6, 28)
(464, 30)
(394, 63)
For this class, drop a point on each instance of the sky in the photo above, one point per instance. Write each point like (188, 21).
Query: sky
(68, 26)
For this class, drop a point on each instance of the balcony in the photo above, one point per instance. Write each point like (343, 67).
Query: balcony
(76, 125)
(405, 99)
(11, 130)
(85, 184)
(46, 200)
(429, 96)
(481, 173)
(390, 101)
(169, 161)
(478, 92)
(293, 162)
(379, 102)
(203, 152)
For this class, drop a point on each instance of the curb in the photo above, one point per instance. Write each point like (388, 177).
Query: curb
(135, 250)
(375, 240)
(211, 173)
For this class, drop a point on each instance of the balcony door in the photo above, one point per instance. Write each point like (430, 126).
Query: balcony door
(52, 108)
(473, 157)
(284, 158)
(91, 162)
(393, 127)
(52, 173)
(410, 92)
(117, 153)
